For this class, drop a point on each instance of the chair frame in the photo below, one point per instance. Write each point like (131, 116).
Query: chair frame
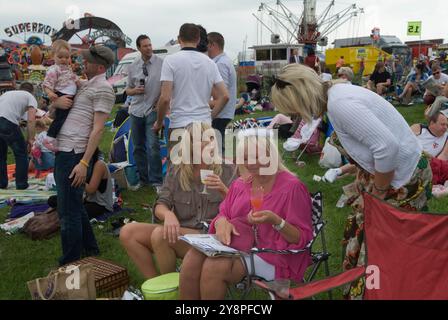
(247, 284)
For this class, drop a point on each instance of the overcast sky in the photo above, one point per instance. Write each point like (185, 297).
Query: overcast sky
(161, 19)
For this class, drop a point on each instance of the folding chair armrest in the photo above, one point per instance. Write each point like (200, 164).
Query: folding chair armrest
(265, 250)
(311, 289)
(263, 285)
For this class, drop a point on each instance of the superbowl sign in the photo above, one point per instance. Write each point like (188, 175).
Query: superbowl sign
(414, 28)
(30, 27)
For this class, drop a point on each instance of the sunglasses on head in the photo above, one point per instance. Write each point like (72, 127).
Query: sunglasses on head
(281, 84)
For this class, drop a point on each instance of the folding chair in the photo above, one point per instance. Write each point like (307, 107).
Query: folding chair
(307, 131)
(248, 283)
(406, 260)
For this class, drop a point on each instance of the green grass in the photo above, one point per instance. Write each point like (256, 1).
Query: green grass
(22, 260)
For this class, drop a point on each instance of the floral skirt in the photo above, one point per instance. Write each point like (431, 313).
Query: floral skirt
(412, 197)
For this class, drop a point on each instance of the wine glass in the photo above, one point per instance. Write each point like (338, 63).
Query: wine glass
(204, 175)
(256, 198)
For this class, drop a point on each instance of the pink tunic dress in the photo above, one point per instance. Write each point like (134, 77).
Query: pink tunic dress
(289, 198)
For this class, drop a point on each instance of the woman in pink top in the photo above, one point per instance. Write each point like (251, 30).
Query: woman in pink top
(282, 222)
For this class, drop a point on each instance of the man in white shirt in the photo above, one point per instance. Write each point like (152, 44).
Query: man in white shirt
(13, 106)
(188, 78)
(227, 70)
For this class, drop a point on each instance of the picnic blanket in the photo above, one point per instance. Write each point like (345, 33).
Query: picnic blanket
(11, 169)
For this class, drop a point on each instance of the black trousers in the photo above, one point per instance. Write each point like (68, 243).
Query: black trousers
(59, 120)
(220, 125)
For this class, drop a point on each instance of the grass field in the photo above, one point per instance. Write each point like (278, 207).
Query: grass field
(22, 260)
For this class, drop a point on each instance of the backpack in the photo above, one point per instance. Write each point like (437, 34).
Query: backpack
(43, 225)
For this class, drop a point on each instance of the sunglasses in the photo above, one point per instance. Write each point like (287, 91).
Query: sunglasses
(280, 83)
(145, 71)
(437, 72)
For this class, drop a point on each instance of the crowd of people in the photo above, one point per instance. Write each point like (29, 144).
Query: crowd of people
(197, 88)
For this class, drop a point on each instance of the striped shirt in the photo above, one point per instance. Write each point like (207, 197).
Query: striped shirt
(96, 95)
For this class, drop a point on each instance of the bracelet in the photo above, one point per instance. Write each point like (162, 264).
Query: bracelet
(280, 226)
(84, 163)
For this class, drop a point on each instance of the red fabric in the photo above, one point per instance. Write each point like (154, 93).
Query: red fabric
(439, 171)
(310, 61)
(410, 249)
(313, 288)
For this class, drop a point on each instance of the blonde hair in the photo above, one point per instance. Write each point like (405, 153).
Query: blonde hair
(184, 169)
(60, 44)
(261, 142)
(41, 124)
(299, 91)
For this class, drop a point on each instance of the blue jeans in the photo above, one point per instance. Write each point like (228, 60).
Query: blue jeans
(147, 149)
(76, 232)
(11, 135)
(47, 161)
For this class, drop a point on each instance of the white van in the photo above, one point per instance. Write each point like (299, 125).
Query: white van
(119, 80)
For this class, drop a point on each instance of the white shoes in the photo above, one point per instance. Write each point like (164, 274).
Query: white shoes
(331, 175)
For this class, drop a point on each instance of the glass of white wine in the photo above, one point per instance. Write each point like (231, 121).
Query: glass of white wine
(204, 175)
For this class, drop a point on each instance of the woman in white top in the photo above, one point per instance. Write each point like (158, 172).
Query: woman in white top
(370, 132)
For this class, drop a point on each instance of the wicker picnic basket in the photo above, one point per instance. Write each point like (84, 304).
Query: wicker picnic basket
(111, 280)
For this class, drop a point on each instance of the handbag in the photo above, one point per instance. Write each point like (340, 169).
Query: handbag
(330, 157)
(43, 225)
(66, 283)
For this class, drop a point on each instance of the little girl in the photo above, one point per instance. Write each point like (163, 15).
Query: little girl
(43, 158)
(59, 81)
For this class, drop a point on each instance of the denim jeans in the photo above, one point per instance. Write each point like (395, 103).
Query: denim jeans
(147, 149)
(10, 135)
(77, 235)
(47, 161)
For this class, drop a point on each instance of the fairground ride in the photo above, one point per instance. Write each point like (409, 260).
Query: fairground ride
(309, 28)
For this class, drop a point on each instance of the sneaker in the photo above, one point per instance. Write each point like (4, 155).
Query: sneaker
(137, 187)
(158, 189)
(51, 144)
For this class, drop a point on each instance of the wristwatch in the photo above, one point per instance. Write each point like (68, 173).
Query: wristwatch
(279, 226)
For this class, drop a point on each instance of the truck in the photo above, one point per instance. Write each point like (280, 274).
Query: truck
(353, 56)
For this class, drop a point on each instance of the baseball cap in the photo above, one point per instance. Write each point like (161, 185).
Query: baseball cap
(99, 54)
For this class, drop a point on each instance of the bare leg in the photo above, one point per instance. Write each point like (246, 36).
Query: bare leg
(217, 274)
(166, 253)
(136, 239)
(190, 275)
